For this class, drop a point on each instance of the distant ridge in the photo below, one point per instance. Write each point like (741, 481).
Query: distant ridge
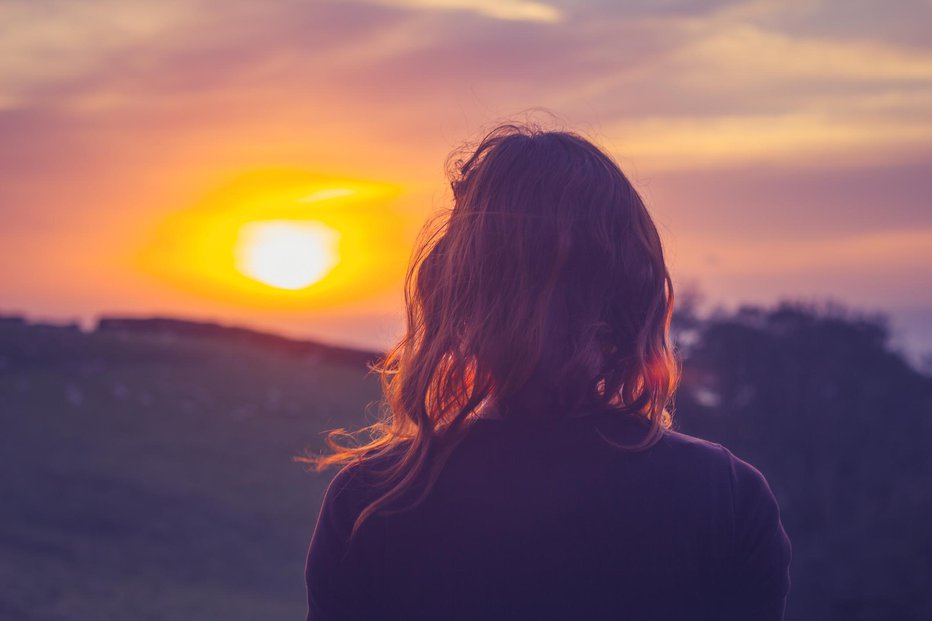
(185, 328)
(172, 326)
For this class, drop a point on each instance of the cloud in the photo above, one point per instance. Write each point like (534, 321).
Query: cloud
(728, 91)
(902, 23)
(752, 53)
(44, 44)
(884, 251)
(814, 202)
(805, 139)
(872, 270)
(513, 10)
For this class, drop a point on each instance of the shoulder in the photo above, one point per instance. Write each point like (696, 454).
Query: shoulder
(754, 513)
(349, 492)
(747, 487)
(358, 483)
(339, 565)
(699, 450)
(695, 453)
(753, 505)
(678, 440)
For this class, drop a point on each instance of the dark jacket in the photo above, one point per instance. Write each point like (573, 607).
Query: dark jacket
(548, 521)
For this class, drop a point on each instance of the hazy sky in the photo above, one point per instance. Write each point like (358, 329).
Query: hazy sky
(785, 148)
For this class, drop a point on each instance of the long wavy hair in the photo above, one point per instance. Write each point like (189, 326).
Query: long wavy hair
(542, 293)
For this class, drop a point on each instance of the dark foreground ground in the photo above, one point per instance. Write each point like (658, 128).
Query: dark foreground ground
(148, 476)
(147, 467)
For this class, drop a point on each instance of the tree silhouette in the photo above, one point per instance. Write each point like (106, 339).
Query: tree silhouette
(841, 425)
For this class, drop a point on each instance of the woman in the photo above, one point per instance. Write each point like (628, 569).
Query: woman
(525, 466)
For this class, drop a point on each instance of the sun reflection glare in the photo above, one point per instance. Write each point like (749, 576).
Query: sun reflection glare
(286, 254)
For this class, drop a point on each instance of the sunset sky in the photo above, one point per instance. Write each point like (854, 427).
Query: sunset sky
(784, 147)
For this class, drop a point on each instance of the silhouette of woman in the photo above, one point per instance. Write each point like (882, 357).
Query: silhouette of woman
(524, 466)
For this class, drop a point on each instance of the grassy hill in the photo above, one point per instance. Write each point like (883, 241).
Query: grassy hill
(147, 469)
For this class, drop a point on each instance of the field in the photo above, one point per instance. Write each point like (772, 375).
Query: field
(150, 475)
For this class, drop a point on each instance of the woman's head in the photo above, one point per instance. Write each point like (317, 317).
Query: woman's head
(542, 291)
(549, 279)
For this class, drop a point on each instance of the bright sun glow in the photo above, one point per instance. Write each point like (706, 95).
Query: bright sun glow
(287, 254)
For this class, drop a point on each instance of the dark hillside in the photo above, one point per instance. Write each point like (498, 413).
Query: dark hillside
(148, 472)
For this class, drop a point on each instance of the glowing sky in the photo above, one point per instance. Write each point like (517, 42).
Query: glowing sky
(785, 148)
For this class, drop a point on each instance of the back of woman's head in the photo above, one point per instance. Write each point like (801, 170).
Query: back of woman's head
(549, 279)
(542, 293)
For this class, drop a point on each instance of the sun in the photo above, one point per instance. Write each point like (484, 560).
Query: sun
(287, 254)
(284, 239)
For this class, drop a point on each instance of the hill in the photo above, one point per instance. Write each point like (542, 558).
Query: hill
(148, 472)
